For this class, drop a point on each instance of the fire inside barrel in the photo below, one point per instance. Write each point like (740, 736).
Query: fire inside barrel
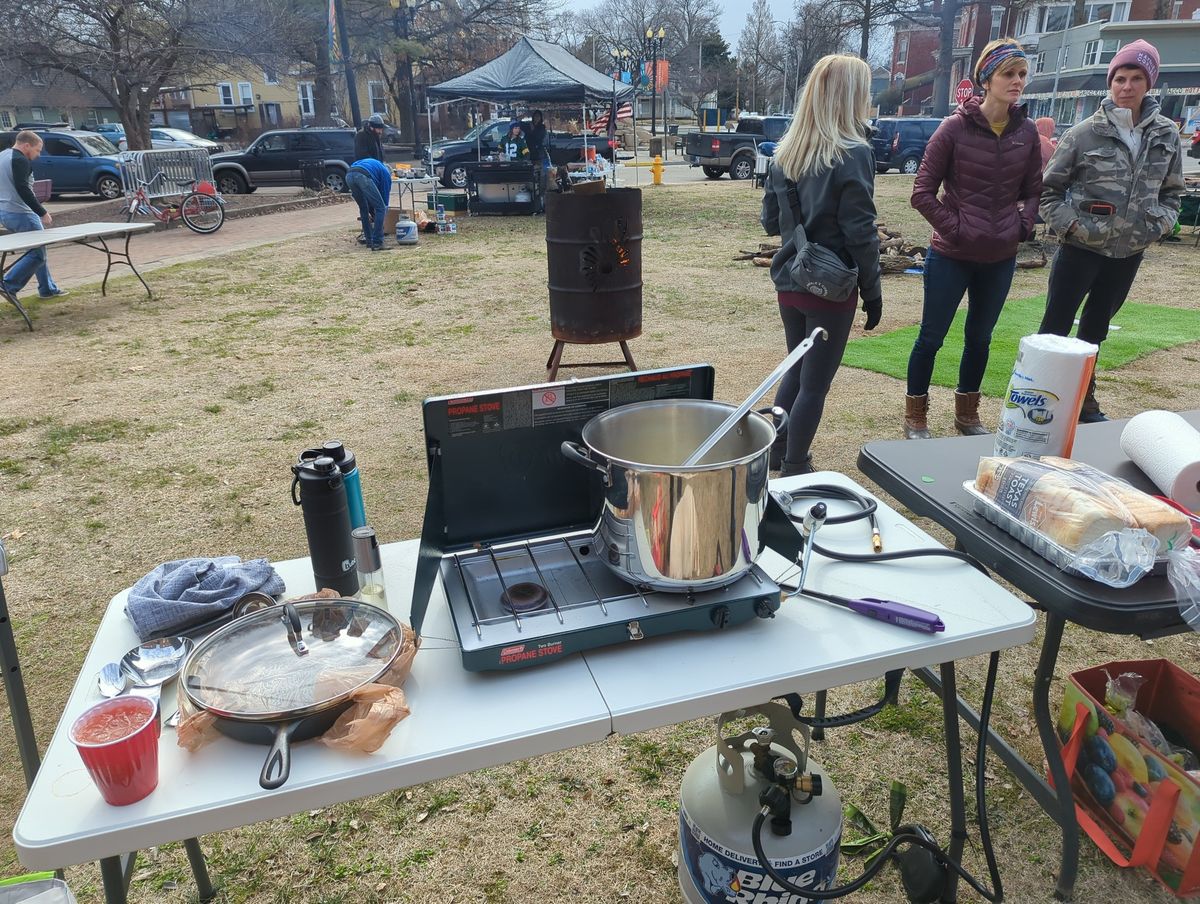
(594, 256)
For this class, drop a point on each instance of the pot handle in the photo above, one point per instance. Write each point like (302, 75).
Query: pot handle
(579, 455)
(778, 415)
(278, 767)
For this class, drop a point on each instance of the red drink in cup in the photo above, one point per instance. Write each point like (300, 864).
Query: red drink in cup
(117, 740)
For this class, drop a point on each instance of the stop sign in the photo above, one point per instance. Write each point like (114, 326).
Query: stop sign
(964, 91)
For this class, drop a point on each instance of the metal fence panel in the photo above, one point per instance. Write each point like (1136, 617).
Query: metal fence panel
(176, 166)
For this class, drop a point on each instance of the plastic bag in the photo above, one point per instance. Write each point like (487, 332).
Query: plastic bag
(1079, 518)
(1183, 571)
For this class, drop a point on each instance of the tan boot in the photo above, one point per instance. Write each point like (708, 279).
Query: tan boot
(966, 414)
(916, 409)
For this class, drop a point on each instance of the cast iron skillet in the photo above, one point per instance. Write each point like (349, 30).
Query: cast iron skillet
(280, 729)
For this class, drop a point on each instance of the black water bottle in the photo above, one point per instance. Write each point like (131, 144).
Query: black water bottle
(320, 490)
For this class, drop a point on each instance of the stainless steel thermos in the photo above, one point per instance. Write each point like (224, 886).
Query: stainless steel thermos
(319, 488)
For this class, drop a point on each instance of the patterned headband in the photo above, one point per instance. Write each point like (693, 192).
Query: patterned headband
(995, 59)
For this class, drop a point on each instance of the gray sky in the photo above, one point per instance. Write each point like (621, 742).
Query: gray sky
(733, 18)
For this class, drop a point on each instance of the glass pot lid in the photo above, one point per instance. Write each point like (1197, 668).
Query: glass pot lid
(291, 660)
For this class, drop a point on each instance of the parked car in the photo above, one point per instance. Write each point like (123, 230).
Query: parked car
(275, 158)
(162, 137)
(718, 153)
(1194, 150)
(75, 161)
(449, 157)
(391, 134)
(899, 141)
(110, 128)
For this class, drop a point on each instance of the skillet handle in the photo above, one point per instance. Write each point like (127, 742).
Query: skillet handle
(278, 767)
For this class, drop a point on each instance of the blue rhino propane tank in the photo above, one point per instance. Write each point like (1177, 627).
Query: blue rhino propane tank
(719, 800)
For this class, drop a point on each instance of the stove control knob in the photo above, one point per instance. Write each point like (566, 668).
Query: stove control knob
(764, 608)
(719, 616)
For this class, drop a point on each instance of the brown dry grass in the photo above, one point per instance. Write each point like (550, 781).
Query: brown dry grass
(137, 432)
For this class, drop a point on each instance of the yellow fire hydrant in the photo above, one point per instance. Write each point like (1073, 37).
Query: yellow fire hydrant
(656, 169)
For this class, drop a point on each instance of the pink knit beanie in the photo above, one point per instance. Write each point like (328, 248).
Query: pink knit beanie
(1138, 53)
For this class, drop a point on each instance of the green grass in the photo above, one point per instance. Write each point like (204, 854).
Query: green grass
(1144, 328)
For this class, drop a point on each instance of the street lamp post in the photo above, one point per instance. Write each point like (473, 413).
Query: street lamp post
(654, 42)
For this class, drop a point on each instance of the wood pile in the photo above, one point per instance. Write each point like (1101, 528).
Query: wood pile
(897, 254)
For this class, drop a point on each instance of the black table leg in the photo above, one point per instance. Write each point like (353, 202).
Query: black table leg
(115, 257)
(11, 298)
(14, 687)
(1065, 814)
(954, 773)
(204, 887)
(115, 872)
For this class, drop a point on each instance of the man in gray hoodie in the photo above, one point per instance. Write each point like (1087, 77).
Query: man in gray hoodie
(1112, 189)
(20, 211)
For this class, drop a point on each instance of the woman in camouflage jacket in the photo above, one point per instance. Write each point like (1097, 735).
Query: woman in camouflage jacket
(1112, 188)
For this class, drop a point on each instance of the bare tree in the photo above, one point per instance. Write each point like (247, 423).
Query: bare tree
(864, 16)
(128, 50)
(755, 45)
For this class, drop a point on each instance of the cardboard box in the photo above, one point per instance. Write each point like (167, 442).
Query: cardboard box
(1126, 790)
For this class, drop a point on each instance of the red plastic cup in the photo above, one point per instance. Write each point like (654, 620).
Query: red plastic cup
(117, 740)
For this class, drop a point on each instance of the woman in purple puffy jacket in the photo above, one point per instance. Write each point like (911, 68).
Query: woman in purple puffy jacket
(986, 158)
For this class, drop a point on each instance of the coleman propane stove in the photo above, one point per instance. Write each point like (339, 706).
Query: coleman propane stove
(509, 523)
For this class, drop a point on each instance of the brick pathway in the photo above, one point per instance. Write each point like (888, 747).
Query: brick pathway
(72, 265)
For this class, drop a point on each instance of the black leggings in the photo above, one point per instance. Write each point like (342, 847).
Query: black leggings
(803, 389)
(1105, 281)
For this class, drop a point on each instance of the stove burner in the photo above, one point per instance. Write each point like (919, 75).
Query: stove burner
(524, 597)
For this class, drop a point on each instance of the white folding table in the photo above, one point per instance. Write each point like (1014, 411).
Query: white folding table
(90, 235)
(499, 717)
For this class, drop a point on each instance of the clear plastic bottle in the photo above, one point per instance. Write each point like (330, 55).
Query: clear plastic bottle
(371, 586)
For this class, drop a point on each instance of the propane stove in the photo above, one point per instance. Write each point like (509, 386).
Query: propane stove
(509, 520)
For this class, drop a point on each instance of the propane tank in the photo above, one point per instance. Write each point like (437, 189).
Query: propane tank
(719, 801)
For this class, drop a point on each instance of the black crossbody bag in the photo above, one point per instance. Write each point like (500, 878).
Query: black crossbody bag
(819, 270)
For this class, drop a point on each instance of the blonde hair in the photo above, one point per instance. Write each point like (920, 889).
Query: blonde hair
(830, 117)
(1011, 63)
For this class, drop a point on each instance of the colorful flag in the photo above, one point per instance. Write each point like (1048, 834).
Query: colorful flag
(601, 122)
(335, 43)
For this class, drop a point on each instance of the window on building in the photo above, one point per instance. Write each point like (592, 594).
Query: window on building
(1023, 22)
(272, 114)
(1107, 12)
(1177, 9)
(225, 94)
(1099, 53)
(37, 77)
(1039, 63)
(6, 119)
(304, 91)
(997, 21)
(902, 52)
(37, 114)
(379, 98)
(271, 76)
(246, 94)
(1053, 18)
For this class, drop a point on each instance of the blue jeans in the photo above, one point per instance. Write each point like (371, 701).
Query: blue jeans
(371, 206)
(31, 262)
(946, 281)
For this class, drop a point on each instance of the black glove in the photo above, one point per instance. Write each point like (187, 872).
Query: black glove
(874, 310)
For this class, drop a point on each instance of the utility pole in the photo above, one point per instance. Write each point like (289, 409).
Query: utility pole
(654, 43)
(1062, 58)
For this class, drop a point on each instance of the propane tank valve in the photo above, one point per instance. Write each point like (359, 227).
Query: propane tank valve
(809, 784)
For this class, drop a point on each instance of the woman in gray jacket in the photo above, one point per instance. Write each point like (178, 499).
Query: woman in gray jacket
(826, 157)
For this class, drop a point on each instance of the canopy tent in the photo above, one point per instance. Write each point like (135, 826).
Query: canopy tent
(535, 71)
(532, 71)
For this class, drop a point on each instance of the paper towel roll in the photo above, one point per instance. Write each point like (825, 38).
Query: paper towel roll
(1041, 407)
(1167, 448)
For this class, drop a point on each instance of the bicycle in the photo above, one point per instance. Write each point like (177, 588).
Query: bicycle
(200, 208)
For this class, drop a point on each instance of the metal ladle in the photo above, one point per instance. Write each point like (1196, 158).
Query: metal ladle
(751, 400)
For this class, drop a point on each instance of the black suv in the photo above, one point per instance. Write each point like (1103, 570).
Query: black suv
(899, 141)
(274, 158)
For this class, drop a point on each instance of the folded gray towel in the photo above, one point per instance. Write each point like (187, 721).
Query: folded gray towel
(177, 595)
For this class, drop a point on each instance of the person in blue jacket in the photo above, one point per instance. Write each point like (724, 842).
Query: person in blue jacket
(370, 184)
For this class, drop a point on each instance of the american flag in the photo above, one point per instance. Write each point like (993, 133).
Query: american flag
(600, 123)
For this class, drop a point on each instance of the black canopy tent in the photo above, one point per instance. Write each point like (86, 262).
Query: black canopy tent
(534, 71)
